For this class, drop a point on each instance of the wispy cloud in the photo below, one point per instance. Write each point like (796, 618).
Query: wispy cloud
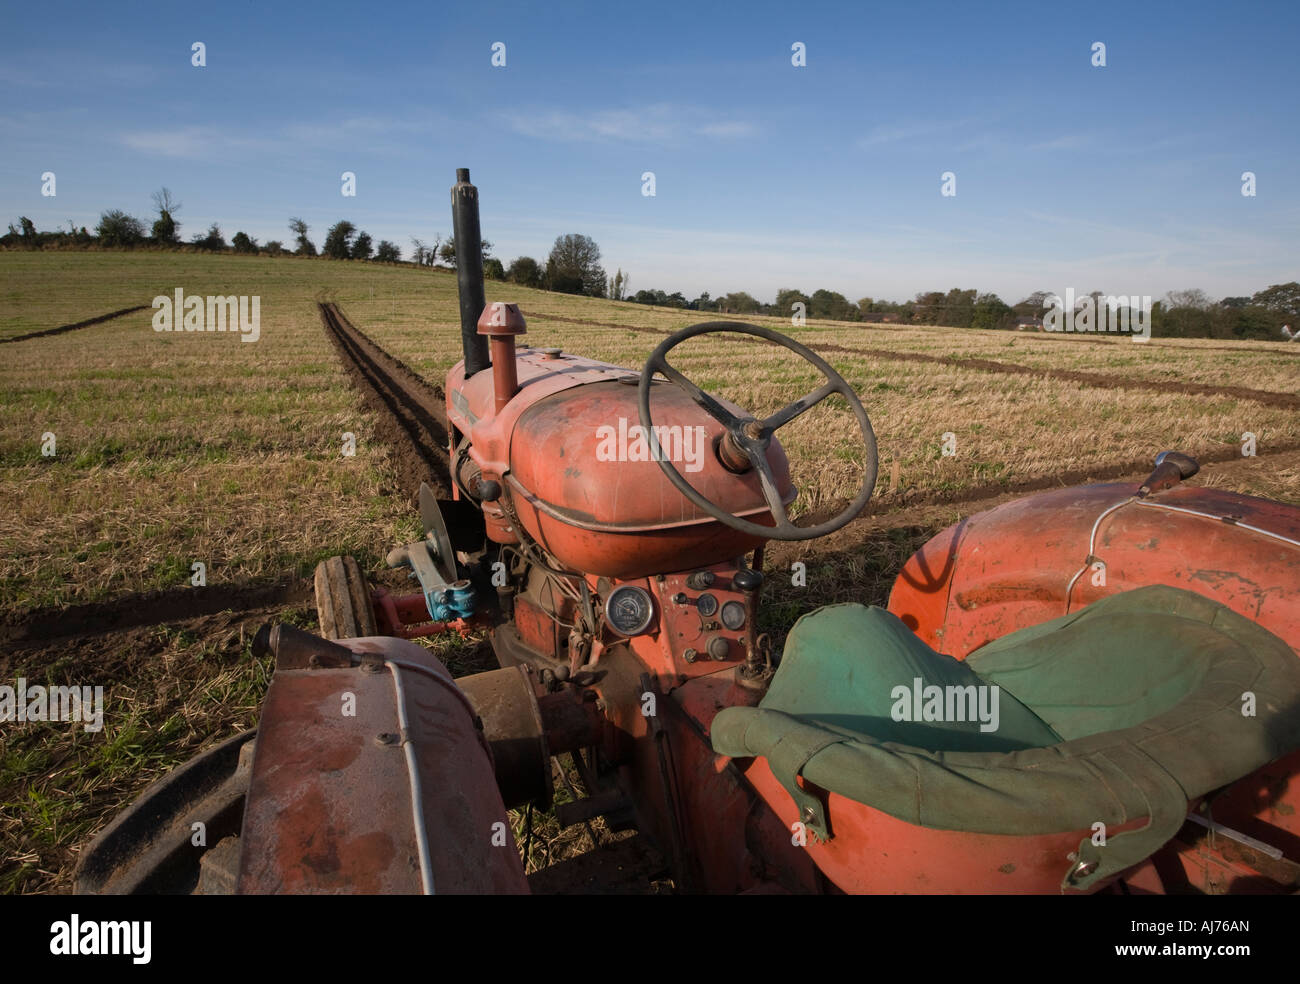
(879, 135)
(973, 131)
(657, 123)
(191, 142)
(198, 142)
(1068, 141)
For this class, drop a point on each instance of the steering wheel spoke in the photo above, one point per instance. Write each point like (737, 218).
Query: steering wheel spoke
(805, 402)
(758, 458)
(707, 403)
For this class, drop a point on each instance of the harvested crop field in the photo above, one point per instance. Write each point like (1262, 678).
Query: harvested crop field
(171, 449)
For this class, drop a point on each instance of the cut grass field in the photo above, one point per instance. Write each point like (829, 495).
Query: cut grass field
(176, 448)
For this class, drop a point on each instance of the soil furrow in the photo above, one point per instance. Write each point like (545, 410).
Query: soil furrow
(411, 416)
(73, 327)
(39, 628)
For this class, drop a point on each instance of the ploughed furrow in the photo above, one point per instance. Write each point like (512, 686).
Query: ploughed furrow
(411, 416)
(176, 605)
(1136, 470)
(73, 327)
(1080, 377)
(533, 316)
(1100, 380)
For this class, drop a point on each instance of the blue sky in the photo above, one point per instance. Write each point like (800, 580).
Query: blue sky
(1125, 179)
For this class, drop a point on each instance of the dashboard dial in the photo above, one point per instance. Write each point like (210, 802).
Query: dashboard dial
(733, 615)
(707, 605)
(628, 610)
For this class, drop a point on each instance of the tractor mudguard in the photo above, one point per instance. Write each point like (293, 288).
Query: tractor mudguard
(372, 776)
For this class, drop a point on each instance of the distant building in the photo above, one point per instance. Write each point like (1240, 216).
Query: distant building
(1029, 324)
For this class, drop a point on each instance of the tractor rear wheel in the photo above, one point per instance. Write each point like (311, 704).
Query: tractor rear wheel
(343, 600)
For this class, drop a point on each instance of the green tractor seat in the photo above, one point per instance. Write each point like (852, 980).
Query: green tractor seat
(1132, 707)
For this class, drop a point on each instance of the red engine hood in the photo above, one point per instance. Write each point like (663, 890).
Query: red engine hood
(572, 457)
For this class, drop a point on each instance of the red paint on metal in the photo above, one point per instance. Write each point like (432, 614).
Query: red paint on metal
(501, 323)
(585, 487)
(329, 803)
(1008, 568)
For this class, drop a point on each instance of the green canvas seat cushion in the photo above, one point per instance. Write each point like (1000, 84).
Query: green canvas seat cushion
(860, 671)
(1110, 667)
(1152, 768)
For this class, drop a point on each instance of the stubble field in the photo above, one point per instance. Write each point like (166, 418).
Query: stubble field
(172, 449)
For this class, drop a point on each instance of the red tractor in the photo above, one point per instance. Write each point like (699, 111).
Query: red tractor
(1094, 689)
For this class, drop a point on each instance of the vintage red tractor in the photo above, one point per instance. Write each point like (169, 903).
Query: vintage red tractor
(1090, 689)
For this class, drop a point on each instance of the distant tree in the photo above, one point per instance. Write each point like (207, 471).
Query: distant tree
(1234, 303)
(299, 229)
(1034, 305)
(1195, 299)
(1251, 321)
(28, 227)
(420, 252)
(1282, 298)
(618, 285)
(338, 241)
(273, 248)
(116, 228)
(448, 251)
(241, 243)
(831, 305)
(990, 311)
(573, 266)
(211, 240)
(703, 303)
(787, 298)
(525, 271)
(388, 252)
(738, 302)
(493, 270)
(958, 308)
(363, 247)
(928, 307)
(166, 229)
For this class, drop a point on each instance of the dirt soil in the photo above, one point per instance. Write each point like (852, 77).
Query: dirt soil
(80, 324)
(411, 413)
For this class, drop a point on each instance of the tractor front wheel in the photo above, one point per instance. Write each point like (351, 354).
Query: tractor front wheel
(343, 605)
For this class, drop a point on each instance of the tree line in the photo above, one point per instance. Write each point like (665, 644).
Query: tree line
(573, 266)
(1181, 314)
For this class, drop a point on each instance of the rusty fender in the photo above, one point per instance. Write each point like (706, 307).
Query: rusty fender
(370, 776)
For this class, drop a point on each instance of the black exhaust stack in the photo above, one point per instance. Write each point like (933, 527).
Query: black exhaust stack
(469, 270)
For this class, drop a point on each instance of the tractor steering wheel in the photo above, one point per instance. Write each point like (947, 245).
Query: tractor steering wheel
(752, 436)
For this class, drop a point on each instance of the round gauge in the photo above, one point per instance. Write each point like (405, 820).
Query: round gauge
(628, 610)
(707, 604)
(733, 615)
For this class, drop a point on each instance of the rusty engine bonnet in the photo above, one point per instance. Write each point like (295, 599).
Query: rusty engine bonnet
(559, 444)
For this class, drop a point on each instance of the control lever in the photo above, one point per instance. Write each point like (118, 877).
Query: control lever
(1172, 467)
